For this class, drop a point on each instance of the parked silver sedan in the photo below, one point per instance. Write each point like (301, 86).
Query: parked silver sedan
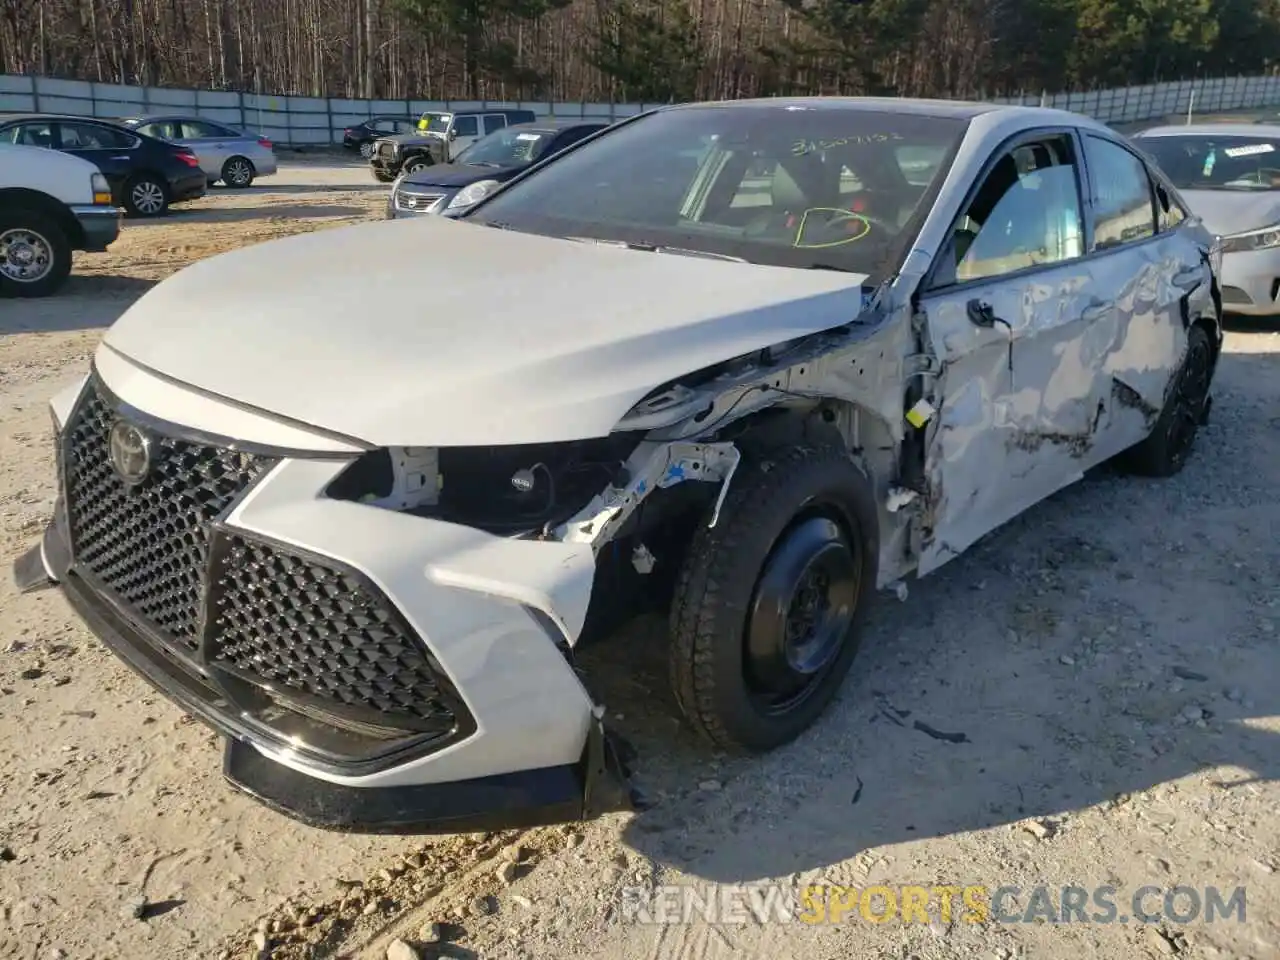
(1229, 174)
(235, 157)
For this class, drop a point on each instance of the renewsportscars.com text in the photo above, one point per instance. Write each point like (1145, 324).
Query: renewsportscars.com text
(829, 904)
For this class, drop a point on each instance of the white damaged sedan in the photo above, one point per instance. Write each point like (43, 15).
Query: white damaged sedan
(750, 361)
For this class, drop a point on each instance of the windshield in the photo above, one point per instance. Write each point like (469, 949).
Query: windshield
(823, 187)
(505, 148)
(434, 122)
(1202, 162)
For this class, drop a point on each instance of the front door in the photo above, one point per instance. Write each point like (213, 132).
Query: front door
(464, 132)
(1012, 316)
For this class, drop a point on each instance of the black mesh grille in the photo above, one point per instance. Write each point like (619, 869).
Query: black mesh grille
(149, 544)
(301, 624)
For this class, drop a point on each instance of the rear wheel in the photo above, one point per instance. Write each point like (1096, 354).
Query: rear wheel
(35, 254)
(1165, 451)
(145, 196)
(237, 173)
(366, 150)
(764, 623)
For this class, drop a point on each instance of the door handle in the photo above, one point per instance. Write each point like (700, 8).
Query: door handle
(1095, 312)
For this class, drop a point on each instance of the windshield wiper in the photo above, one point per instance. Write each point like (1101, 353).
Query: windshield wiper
(831, 266)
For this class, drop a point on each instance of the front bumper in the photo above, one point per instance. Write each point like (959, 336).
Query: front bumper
(1250, 282)
(528, 747)
(188, 187)
(100, 225)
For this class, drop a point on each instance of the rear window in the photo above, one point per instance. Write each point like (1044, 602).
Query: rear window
(827, 187)
(1202, 162)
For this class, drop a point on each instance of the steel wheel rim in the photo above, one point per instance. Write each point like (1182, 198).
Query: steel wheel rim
(801, 613)
(239, 172)
(147, 197)
(25, 256)
(1188, 401)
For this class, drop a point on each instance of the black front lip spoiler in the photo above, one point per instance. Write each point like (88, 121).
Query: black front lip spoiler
(596, 784)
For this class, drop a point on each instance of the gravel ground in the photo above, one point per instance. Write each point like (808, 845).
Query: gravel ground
(1089, 697)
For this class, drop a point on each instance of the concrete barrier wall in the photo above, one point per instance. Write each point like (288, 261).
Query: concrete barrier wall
(319, 121)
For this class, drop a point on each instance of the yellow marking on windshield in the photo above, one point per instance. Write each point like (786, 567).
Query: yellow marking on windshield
(845, 214)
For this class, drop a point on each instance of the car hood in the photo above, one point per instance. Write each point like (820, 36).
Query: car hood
(413, 139)
(459, 175)
(1225, 212)
(435, 332)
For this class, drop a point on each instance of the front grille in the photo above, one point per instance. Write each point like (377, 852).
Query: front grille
(149, 544)
(417, 202)
(283, 620)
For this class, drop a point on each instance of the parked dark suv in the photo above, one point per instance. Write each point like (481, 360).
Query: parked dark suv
(441, 136)
(146, 174)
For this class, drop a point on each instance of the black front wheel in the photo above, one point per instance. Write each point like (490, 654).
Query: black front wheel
(417, 163)
(381, 175)
(764, 622)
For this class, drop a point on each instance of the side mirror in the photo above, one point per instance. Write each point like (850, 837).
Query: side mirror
(453, 134)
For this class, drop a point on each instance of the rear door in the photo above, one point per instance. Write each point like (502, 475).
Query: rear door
(112, 150)
(212, 144)
(1012, 312)
(1160, 277)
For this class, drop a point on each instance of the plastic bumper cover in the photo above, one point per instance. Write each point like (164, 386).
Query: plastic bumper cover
(597, 783)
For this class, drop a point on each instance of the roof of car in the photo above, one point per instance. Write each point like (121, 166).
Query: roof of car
(10, 117)
(1209, 129)
(554, 125)
(959, 109)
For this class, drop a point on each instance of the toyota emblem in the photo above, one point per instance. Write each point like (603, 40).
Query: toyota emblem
(130, 452)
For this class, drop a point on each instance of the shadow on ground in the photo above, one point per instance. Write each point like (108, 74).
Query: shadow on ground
(85, 303)
(272, 211)
(1070, 654)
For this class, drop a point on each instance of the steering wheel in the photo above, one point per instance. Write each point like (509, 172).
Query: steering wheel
(831, 227)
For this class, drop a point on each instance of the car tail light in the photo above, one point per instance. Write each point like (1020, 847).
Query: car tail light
(264, 143)
(187, 157)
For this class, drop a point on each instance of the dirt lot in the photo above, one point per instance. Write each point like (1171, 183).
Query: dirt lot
(1091, 697)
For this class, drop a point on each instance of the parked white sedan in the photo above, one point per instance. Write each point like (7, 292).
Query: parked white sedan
(750, 360)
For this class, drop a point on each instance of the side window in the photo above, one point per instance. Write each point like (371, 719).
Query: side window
(1026, 213)
(494, 121)
(198, 130)
(466, 126)
(1169, 215)
(382, 126)
(1123, 207)
(569, 138)
(89, 136)
(36, 134)
(164, 129)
